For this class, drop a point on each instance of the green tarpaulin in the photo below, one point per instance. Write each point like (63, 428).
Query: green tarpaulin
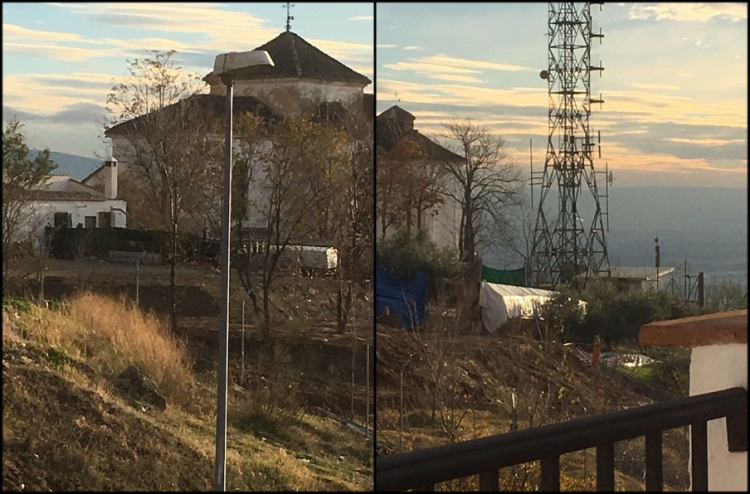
(515, 277)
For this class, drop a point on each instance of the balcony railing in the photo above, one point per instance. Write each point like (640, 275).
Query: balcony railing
(422, 469)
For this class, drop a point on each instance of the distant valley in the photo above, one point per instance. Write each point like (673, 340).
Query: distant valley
(706, 226)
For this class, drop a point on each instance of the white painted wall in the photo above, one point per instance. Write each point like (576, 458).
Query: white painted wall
(715, 368)
(292, 96)
(444, 226)
(442, 223)
(43, 213)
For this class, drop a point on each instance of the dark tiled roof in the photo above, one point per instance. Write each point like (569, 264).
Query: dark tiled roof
(213, 103)
(91, 175)
(62, 195)
(396, 123)
(293, 57)
(399, 114)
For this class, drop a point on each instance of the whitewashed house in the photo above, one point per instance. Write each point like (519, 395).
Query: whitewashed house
(63, 202)
(442, 222)
(303, 80)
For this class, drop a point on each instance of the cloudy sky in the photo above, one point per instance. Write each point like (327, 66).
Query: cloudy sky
(674, 82)
(60, 59)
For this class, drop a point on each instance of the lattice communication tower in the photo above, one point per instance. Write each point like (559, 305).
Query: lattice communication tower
(566, 248)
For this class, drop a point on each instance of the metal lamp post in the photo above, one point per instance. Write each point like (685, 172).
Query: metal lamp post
(226, 66)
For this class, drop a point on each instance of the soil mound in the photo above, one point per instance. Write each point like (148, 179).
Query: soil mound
(58, 436)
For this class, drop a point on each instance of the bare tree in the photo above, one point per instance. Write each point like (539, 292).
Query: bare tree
(428, 181)
(171, 143)
(408, 185)
(22, 175)
(484, 183)
(452, 400)
(251, 134)
(292, 186)
(352, 217)
(726, 295)
(515, 233)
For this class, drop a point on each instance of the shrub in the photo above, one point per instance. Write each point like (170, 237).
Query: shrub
(407, 252)
(725, 295)
(615, 315)
(273, 403)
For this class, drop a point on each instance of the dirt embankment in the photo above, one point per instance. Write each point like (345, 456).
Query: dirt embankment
(61, 437)
(487, 373)
(83, 430)
(491, 369)
(304, 326)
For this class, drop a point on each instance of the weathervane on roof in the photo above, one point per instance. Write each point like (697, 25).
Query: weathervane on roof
(289, 17)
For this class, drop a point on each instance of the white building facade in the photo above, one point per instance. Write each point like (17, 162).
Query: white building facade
(67, 203)
(303, 80)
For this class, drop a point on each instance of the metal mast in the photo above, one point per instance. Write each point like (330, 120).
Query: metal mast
(567, 247)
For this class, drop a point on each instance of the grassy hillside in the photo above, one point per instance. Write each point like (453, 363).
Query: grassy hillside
(68, 424)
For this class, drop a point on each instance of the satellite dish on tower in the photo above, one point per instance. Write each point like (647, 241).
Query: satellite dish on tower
(544, 74)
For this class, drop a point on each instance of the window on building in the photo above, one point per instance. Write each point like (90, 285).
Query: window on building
(89, 222)
(105, 220)
(62, 220)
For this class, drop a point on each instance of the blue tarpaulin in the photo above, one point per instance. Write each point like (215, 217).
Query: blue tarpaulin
(402, 296)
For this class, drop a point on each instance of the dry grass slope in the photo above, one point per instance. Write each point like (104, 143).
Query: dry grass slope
(65, 427)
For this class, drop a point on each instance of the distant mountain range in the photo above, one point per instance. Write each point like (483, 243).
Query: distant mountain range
(78, 167)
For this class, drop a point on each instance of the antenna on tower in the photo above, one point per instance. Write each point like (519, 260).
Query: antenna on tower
(289, 17)
(566, 248)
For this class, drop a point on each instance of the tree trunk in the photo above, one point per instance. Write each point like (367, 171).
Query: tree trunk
(340, 309)
(461, 230)
(419, 214)
(469, 241)
(6, 268)
(172, 282)
(342, 313)
(173, 259)
(266, 293)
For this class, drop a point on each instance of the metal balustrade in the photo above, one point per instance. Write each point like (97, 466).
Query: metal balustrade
(422, 469)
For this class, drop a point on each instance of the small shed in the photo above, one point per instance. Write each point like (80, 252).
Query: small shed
(643, 277)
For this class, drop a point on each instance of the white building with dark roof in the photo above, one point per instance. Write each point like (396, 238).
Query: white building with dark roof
(63, 202)
(303, 80)
(443, 221)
